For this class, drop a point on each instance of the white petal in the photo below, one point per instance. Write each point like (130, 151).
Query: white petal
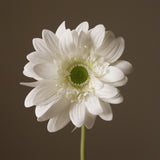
(83, 41)
(75, 37)
(61, 29)
(59, 121)
(67, 45)
(109, 37)
(45, 96)
(54, 109)
(116, 100)
(96, 83)
(120, 83)
(28, 69)
(77, 114)
(37, 58)
(107, 91)
(97, 35)
(40, 45)
(93, 105)
(113, 75)
(124, 66)
(82, 27)
(41, 110)
(45, 70)
(107, 114)
(51, 41)
(114, 50)
(89, 120)
(29, 72)
(30, 84)
(34, 94)
(30, 97)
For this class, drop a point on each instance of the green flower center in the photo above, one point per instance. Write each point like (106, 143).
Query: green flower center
(79, 75)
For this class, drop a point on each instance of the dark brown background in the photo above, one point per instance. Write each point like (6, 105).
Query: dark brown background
(134, 134)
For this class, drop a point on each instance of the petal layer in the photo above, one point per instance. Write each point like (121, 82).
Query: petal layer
(77, 114)
(107, 91)
(52, 110)
(116, 100)
(58, 122)
(46, 70)
(113, 75)
(89, 120)
(114, 50)
(51, 41)
(124, 66)
(107, 114)
(93, 105)
(97, 35)
(82, 27)
(61, 29)
(67, 44)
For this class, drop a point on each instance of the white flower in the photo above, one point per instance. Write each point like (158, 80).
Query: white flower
(76, 73)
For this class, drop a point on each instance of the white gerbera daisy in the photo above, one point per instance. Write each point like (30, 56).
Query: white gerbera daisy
(77, 73)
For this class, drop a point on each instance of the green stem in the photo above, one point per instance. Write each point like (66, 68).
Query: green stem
(82, 142)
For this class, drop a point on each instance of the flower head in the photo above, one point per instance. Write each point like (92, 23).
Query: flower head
(76, 72)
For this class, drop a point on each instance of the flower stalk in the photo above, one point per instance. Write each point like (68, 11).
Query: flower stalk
(82, 150)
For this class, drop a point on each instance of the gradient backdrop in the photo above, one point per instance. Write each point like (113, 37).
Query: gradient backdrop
(134, 133)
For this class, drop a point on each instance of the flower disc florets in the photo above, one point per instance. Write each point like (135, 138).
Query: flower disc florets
(79, 75)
